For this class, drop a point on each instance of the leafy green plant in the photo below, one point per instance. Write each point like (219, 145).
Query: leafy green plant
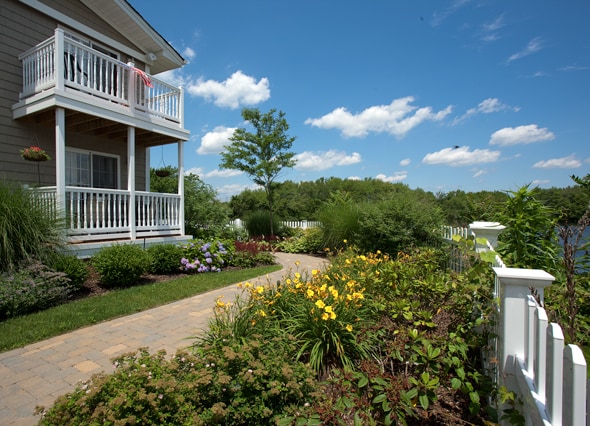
(164, 258)
(120, 264)
(394, 224)
(75, 269)
(230, 381)
(32, 288)
(302, 241)
(28, 229)
(529, 240)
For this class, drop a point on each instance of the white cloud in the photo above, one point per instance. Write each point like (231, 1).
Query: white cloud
(521, 135)
(397, 119)
(189, 53)
(225, 173)
(405, 162)
(489, 33)
(195, 171)
(354, 178)
(539, 182)
(396, 177)
(309, 160)
(173, 77)
(439, 18)
(569, 162)
(487, 106)
(213, 142)
(479, 172)
(461, 156)
(226, 191)
(533, 46)
(238, 90)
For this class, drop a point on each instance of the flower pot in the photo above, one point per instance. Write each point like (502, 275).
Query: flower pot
(162, 173)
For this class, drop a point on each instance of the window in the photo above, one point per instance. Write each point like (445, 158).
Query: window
(92, 169)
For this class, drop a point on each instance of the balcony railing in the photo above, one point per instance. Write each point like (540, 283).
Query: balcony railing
(89, 71)
(93, 214)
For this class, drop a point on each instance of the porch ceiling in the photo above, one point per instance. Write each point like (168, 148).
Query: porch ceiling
(86, 124)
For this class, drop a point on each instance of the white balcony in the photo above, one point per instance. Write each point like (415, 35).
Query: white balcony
(62, 71)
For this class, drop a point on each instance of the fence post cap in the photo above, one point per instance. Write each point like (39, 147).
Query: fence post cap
(487, 225)
(529, 277)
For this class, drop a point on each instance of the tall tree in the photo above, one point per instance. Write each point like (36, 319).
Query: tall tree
(263, 154)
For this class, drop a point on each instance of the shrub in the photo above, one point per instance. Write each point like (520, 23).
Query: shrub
(200, 256)
(340, 222)
(120, 264)
(33, 288)
(164, 258)
(231, 381)
(27, 229)
(75, 269)
(302, 241)
(393, 225)
(258, 224)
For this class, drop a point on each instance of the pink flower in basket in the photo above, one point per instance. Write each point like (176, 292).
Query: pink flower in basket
(34, 153)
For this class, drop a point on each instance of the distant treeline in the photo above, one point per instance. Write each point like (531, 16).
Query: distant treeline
(303, 200)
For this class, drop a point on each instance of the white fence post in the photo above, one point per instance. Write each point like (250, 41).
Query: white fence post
(574, 387)
(488, 230)
(554, 373)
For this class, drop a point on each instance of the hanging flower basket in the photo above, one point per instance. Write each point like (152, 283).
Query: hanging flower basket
(34, 153)
(162, 172)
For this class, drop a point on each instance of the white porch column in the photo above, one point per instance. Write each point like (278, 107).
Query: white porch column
(59, 63)
(488, 230)
(60, 160)
(181, 184)
(148, 182)
(131, 180)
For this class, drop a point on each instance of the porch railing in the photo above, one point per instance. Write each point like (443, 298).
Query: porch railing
(89, 71)
(93, 213)
(533, 362)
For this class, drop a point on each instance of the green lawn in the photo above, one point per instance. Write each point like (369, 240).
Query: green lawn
(20, 331)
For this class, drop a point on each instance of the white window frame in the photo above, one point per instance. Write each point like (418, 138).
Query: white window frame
(91, 153)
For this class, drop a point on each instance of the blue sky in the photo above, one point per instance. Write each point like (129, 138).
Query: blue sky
(441, 95)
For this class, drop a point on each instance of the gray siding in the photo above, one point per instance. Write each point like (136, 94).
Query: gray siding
(21, 28)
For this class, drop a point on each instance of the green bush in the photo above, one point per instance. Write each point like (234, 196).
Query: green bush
(393, 225)
(33, 288)
(258, 224)
(164, 258)
(27, 229)
(301, 241)
(230, 382)
(340, 223)
(120, 264)
(75, 269)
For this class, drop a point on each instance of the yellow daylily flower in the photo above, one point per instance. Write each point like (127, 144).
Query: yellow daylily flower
(348, 327)
(320, 303)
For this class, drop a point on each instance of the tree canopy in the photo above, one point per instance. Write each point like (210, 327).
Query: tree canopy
(262, 154)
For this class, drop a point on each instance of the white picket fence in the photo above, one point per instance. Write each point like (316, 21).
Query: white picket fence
(533, 362)
(301, 224)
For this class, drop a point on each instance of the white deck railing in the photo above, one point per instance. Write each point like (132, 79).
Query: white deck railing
(93, 213)
(547, 377)
(89, 71)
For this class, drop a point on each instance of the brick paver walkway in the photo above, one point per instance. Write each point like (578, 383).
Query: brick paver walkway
(38, 373)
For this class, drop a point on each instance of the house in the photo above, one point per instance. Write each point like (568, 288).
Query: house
(79, 79)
